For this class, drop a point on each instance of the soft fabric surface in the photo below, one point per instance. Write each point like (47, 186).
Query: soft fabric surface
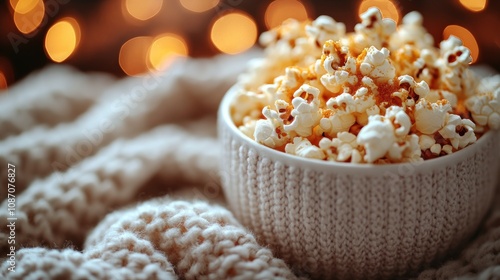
(118, 179)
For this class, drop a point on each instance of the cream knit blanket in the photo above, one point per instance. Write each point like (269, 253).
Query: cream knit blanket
(117, 179)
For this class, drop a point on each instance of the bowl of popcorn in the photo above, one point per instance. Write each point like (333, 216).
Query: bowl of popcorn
(364, 154)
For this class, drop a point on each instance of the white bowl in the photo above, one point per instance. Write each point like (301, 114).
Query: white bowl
(348, 221)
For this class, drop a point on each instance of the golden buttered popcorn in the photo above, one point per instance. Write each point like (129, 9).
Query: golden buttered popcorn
(380, 94)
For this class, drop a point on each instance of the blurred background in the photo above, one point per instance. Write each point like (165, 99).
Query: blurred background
(130, 37)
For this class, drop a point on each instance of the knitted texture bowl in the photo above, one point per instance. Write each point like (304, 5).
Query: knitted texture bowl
(356, 221)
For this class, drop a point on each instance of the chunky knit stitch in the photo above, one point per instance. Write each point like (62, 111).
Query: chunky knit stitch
(366, 226)
(124, 185)
(36, 102)
(52, 207)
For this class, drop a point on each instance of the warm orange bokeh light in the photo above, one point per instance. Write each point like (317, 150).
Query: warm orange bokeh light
(3, 81)
(62, 39)
(143, 9)
(199, 6)
(466, 36)
(23, 6)
(28, 14)
(133, 57)
(165, 48)
(280, 10)
(6, 74)
(13, 3)
(386, 7)
(234, 33)
(474, 5)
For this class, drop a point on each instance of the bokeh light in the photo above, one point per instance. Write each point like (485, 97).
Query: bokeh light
(386, 7)
(165, 48)
(28, 14)
(474, 5)
(199, 6)
(234, 33)
(3, 81)
(62, 39)
(6, 73)
(133, 57)
(280, 10)
(466, 36)
(23, 6)
(143, 9)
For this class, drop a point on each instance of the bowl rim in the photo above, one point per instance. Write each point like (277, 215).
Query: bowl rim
(425, 166)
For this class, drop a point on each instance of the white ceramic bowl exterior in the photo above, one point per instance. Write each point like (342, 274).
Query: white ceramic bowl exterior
(347, 221)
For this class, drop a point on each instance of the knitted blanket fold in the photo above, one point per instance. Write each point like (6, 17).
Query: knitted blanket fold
(118, 179)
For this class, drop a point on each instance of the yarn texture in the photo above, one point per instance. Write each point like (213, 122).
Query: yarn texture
(119, 179)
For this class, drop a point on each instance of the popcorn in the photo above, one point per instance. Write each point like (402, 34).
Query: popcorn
(376, 95)
(485, 106)
(306, 111)
(325, 28)
(368, 83)
(435, 95)
(426, 142)
(400, 120)
(286, 46)
(376, 65)
(303, 148)
(372, 31)
(251, 104)
(448, 149)
(343, 148)
(340, 67)
(435, 149)
(347, 109)
(426, 68)
(377, 137)
(338, 81)
(415, 90)
(411, 32)
(337, 121)
(448, 45)
(394, 143)
(359, 102)
(432, 148)
(287, 83)
(287, 40)
(248, 128)
(405, 150)
(284, 110)
(407, 60)
(455, 58)
(344, 101)
(270, 131)
(362, 118)
(460, 132)
(430, 117)
(334, 55)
